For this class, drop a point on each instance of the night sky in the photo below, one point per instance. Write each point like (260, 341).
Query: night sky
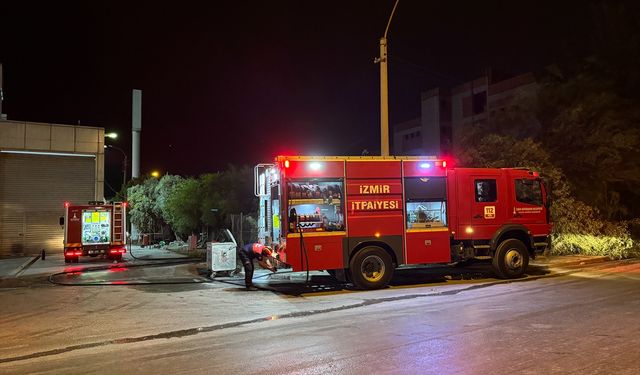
(241, 81)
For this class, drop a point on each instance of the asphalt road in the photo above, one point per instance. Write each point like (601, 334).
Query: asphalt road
(582, 322)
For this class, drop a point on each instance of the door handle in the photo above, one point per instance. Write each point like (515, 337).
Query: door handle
(478, 216)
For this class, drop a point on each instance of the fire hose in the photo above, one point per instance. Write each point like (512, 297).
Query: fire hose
(303, 248)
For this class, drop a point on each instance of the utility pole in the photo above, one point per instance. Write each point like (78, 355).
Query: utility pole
(384, 90)
(1, 93)
(124, 166)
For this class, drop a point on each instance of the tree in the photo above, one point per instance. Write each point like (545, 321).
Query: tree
(182, 207)
(165, 188)
(230, 192)
(236, 188)
(141, 199)
(594, 136)
(212, 202)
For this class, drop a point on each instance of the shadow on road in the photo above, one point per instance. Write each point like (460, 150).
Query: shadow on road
(160, 278)
(409, 277)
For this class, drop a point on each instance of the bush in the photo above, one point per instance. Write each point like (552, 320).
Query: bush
(580, 230)
(615, 247)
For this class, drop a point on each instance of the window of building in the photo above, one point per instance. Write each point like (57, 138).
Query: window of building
(529, 192)
(486, 190)
(479, 102)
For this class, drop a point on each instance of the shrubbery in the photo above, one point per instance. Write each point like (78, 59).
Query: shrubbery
(578, 229)
(187, 205)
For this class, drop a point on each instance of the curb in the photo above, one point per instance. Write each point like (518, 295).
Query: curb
(551, 262)
(47, 272)
(16, 272)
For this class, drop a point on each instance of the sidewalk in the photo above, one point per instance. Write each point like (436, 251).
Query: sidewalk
(10, 267)
(54, 263)
(568, 260)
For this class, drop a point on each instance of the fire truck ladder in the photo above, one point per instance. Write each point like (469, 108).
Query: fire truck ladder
(118, 223)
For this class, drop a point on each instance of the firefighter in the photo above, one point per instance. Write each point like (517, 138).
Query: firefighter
(250, 252)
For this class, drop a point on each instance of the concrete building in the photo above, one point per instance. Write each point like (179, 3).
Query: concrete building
(445, 111)
(41, 167)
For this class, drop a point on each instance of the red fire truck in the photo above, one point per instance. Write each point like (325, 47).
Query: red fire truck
(361, 217)
(94, 229)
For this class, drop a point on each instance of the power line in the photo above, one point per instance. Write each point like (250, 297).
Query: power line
(425, 70)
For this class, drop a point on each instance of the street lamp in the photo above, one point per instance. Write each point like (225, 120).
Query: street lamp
(384, 90)
(124, 164)
(155, 174)
(111, 135)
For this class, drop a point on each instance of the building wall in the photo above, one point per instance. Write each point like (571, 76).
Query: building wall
(41, 167)
(430, 124)
(445, 113)
(407, 138)
(41, 137)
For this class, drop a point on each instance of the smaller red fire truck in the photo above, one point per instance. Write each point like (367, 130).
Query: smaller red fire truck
(94, 229)
(361, 217)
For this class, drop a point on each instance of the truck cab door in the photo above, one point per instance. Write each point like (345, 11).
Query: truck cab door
(528, 206)
(482, 203)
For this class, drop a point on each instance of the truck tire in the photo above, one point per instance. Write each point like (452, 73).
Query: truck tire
(371, 268)
(511, 259)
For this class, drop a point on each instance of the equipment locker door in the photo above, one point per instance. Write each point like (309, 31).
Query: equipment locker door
(427, 234)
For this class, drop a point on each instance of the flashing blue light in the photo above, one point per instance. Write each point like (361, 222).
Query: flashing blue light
(425, 165)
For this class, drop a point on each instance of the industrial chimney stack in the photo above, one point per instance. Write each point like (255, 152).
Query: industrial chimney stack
(136, 129)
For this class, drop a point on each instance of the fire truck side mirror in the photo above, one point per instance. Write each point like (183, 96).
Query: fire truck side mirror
(61, 221)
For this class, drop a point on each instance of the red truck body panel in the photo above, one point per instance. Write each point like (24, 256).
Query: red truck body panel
(417, 208)
(95, 229)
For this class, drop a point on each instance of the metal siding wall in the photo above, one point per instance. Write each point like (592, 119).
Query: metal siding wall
(33, 189)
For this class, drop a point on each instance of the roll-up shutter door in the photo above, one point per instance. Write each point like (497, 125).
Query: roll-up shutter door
(33, 189)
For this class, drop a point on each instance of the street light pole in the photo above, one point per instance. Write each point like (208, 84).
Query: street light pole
(384, 90)
(124, 166)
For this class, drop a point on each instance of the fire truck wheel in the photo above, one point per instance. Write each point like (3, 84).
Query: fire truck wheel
(511, 259)
(371, 268)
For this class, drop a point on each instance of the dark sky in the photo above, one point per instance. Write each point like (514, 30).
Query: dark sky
(241, 81)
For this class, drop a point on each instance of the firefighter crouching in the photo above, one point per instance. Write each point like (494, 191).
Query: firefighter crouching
(250, 252)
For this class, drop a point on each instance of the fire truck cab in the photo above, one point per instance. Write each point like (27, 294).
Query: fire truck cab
(362, 217)
(94, 229)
